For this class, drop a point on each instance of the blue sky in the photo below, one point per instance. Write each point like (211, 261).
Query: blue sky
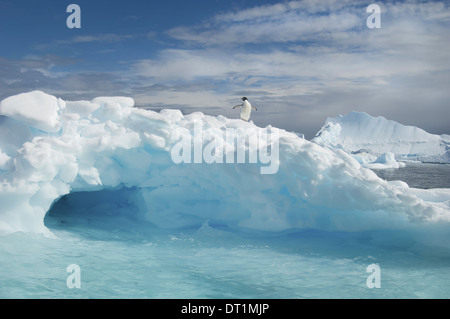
(298, 61)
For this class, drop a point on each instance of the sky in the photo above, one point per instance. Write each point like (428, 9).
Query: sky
(298, 62)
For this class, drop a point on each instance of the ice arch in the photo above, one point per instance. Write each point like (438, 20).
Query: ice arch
(50, 148)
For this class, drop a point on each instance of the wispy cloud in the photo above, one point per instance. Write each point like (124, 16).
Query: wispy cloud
(278, 23)
(42, 73)
(88, 39)
(300, 61)
(107, 37)
(304, 51)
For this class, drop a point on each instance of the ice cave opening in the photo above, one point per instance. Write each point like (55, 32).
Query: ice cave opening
(110, 212)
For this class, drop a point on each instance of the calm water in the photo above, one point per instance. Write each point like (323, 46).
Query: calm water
(120, 256)
(134, 260)
(419, 175)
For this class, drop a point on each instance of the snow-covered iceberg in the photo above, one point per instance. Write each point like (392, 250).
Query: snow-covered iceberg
(50, 147)
(383, 161)
(368, 137)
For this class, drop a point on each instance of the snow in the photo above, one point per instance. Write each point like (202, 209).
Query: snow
(384, 161)
(60, 147)
(37, 109)
(368, 137)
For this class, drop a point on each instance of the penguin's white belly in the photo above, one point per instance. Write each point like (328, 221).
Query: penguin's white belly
(245, 111)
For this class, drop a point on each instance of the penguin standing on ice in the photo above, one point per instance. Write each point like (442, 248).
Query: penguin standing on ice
(246, 109)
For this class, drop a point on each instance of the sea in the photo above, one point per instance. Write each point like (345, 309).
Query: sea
(419, 175)
(108, 255)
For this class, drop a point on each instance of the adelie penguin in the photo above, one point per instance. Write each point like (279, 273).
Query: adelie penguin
(246, 109)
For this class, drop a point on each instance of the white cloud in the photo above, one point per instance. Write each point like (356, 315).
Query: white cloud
(316, 56)
(108, 37)
(184, 65)
(277, 11)
(269, 24)
(301, 61)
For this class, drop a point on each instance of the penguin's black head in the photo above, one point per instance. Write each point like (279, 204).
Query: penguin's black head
(244, 99)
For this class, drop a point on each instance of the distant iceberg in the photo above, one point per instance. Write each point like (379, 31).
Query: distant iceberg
(368, 137)
(385, 161)
(50, 147)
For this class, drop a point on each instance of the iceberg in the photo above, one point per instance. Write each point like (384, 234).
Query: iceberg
(368, 137)
(384, 161)
(50, 148)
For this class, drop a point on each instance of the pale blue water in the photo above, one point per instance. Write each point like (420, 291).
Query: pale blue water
(122, 256)
(211, 263)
